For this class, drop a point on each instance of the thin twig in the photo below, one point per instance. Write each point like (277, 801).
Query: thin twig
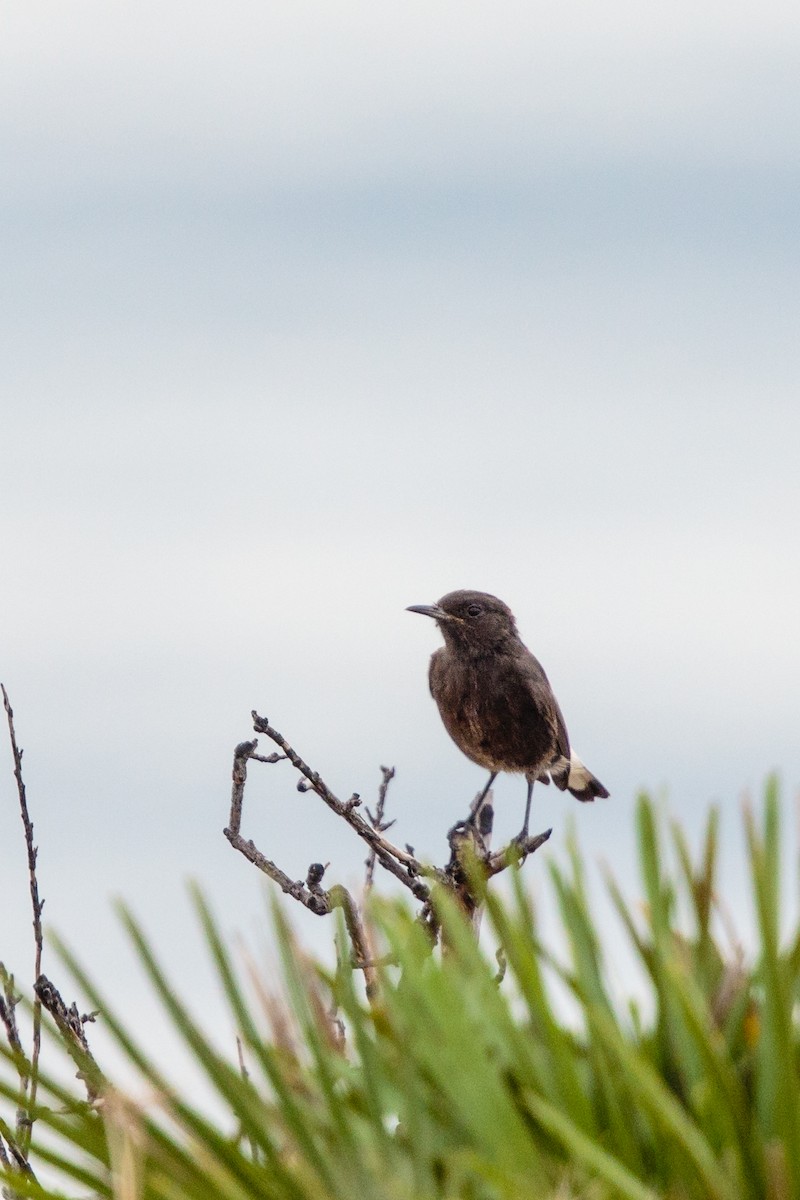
(13, 1160)
(29, 1088)
(515, 852)
(8, 1004)
(5, 1164)
(341, 898)
(245, 1076)
(400, 863)
(344, 809)
(481, 814)
(71, 1027)
(471, 862)
(8, 1015)
(378, 822)
(242, 1068)
(316, 901)
(19, 1158)
(18, 1161)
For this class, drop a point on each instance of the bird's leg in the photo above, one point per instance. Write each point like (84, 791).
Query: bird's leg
(522, 836)
(477, 803)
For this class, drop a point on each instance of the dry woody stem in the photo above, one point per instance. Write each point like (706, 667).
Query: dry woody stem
(70, 1025)
(470, 866)
(15, 1144)
(28, 1083)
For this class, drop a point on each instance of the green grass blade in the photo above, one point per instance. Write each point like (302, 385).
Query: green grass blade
(588, 1152)
(777, 1082)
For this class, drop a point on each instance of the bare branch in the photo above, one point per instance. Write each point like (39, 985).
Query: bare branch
(8, 1004)
(316, 901)
(8, 1017)
(378, 822)
(470, 857)
(5, 1165)
(515, 852)
(71, 1027)
(15, 1158)
(29, 1084)
(241, 754)
(471, 863)
(480, 825)
(400, 863)
(344, 809)
(341, 898)
(245, 1076)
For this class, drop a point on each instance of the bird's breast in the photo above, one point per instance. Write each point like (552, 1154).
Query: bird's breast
(490, 712)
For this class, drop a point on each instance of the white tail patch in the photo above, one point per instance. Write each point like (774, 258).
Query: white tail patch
(579, 775)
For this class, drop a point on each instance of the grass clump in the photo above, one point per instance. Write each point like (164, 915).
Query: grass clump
(455, 1083)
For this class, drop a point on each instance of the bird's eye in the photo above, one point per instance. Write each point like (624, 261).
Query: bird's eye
(474, 610)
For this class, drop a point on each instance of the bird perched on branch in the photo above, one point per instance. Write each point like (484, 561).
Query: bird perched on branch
(496, 701)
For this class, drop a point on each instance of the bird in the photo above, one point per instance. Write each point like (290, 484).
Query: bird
(496, 702)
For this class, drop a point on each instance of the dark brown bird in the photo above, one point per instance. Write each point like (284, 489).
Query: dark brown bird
(496, 701)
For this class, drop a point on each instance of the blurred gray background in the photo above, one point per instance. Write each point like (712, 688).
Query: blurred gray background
(312, 311)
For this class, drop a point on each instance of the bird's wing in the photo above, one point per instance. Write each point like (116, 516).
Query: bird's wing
(545, 702)
(562, 737)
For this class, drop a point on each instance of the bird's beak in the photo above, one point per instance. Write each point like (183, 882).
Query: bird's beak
(430, 610)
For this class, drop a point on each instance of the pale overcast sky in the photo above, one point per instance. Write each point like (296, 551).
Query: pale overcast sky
(312, 311)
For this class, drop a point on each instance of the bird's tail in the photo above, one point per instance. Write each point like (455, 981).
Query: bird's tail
(569, 774)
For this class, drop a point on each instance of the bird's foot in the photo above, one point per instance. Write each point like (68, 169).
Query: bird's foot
(525, 842)
(521, 838)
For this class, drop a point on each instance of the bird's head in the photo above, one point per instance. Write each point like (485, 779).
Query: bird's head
(474, 622)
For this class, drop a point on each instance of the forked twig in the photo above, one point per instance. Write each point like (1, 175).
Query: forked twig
(403, 865)
(378, 823)
(471, 863)
(311, 893)
(314, 898)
